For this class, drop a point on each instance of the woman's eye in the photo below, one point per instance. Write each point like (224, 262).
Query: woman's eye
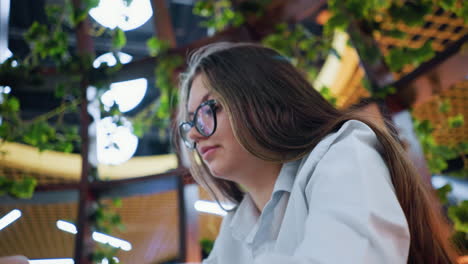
(207, 112)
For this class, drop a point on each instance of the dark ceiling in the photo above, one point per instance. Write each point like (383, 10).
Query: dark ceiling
(35, 101)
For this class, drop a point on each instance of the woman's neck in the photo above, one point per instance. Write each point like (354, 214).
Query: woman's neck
(260, 181)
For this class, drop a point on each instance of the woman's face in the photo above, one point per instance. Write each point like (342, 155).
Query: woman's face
(221, 152)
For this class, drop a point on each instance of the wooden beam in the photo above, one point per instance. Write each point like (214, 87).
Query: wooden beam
(83, 240)
(183, 225)
(377, 71)
(163, 23)
(188, 217)
(432, 63)
(68, 192)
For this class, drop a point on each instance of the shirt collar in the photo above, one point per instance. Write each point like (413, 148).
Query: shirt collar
(244, 220)
(286, 177)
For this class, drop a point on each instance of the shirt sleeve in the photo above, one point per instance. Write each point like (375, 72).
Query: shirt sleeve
(354, 215)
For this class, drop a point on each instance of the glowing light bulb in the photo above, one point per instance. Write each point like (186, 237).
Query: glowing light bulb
(115, 13)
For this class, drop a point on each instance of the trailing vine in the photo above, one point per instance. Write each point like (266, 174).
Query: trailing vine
(438, 156)
(373, 15)
(48, 45)
(107, 220)
(218, 14)
(303, 49)
(158, 113)
(22, 188)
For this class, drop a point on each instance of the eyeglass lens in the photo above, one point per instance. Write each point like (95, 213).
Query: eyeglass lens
(204, 122)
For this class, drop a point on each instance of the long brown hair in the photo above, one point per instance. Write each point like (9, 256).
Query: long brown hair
(278, 116)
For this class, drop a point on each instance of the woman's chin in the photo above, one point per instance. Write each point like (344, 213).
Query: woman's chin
(218, 173)
(215, 172)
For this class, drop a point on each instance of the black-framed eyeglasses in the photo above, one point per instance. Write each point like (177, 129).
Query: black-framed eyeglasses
(204, 120)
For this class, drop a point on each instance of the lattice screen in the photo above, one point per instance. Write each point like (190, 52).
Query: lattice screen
(151, 227)
(457, 96)
(442, 28)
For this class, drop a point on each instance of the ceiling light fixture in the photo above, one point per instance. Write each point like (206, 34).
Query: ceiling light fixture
(9, 218)
(110, 59)
(112, 13)
(115, 143)
(127, 94)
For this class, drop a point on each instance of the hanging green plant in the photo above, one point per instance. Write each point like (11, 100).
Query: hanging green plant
(218, 14)
(303, 49)
(22, 188)
(107, 220)
(399, 57)
(158, 113)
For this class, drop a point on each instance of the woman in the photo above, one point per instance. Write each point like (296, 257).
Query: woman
(319, 185)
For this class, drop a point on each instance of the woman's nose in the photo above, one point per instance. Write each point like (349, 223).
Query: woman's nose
(194, 135)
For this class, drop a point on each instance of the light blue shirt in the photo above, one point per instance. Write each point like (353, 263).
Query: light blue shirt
(336, 205)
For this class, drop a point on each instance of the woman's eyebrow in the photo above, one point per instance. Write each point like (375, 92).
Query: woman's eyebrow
(204, 98)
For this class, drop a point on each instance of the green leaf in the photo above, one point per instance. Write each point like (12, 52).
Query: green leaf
(13, 104)
(443, 191)
(23, 188)
(411, 13)
(92, 3)
(157, 46)
(5, 185)
(338, 21)
(207, 245)
(327, 94)
(463, 147)
(463, 12)
(59, 91)
(448, 5)
(35, 32)
(398, 57)
(444, 152)
(138, 128)
(395, 33)
(459, 215)
(119, 39)
(117, 202)
(115, 220)
(456, 121)
(53, 12)
(444, 106)
(423, 127)
(219, 14)
(79, 15)
(437, 164)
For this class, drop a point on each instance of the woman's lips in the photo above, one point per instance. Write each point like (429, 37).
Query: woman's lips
(208, 151)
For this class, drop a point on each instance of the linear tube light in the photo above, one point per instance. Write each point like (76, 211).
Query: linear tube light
(97, 236)
(52, 261)
(209, 207)
(9, 218)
